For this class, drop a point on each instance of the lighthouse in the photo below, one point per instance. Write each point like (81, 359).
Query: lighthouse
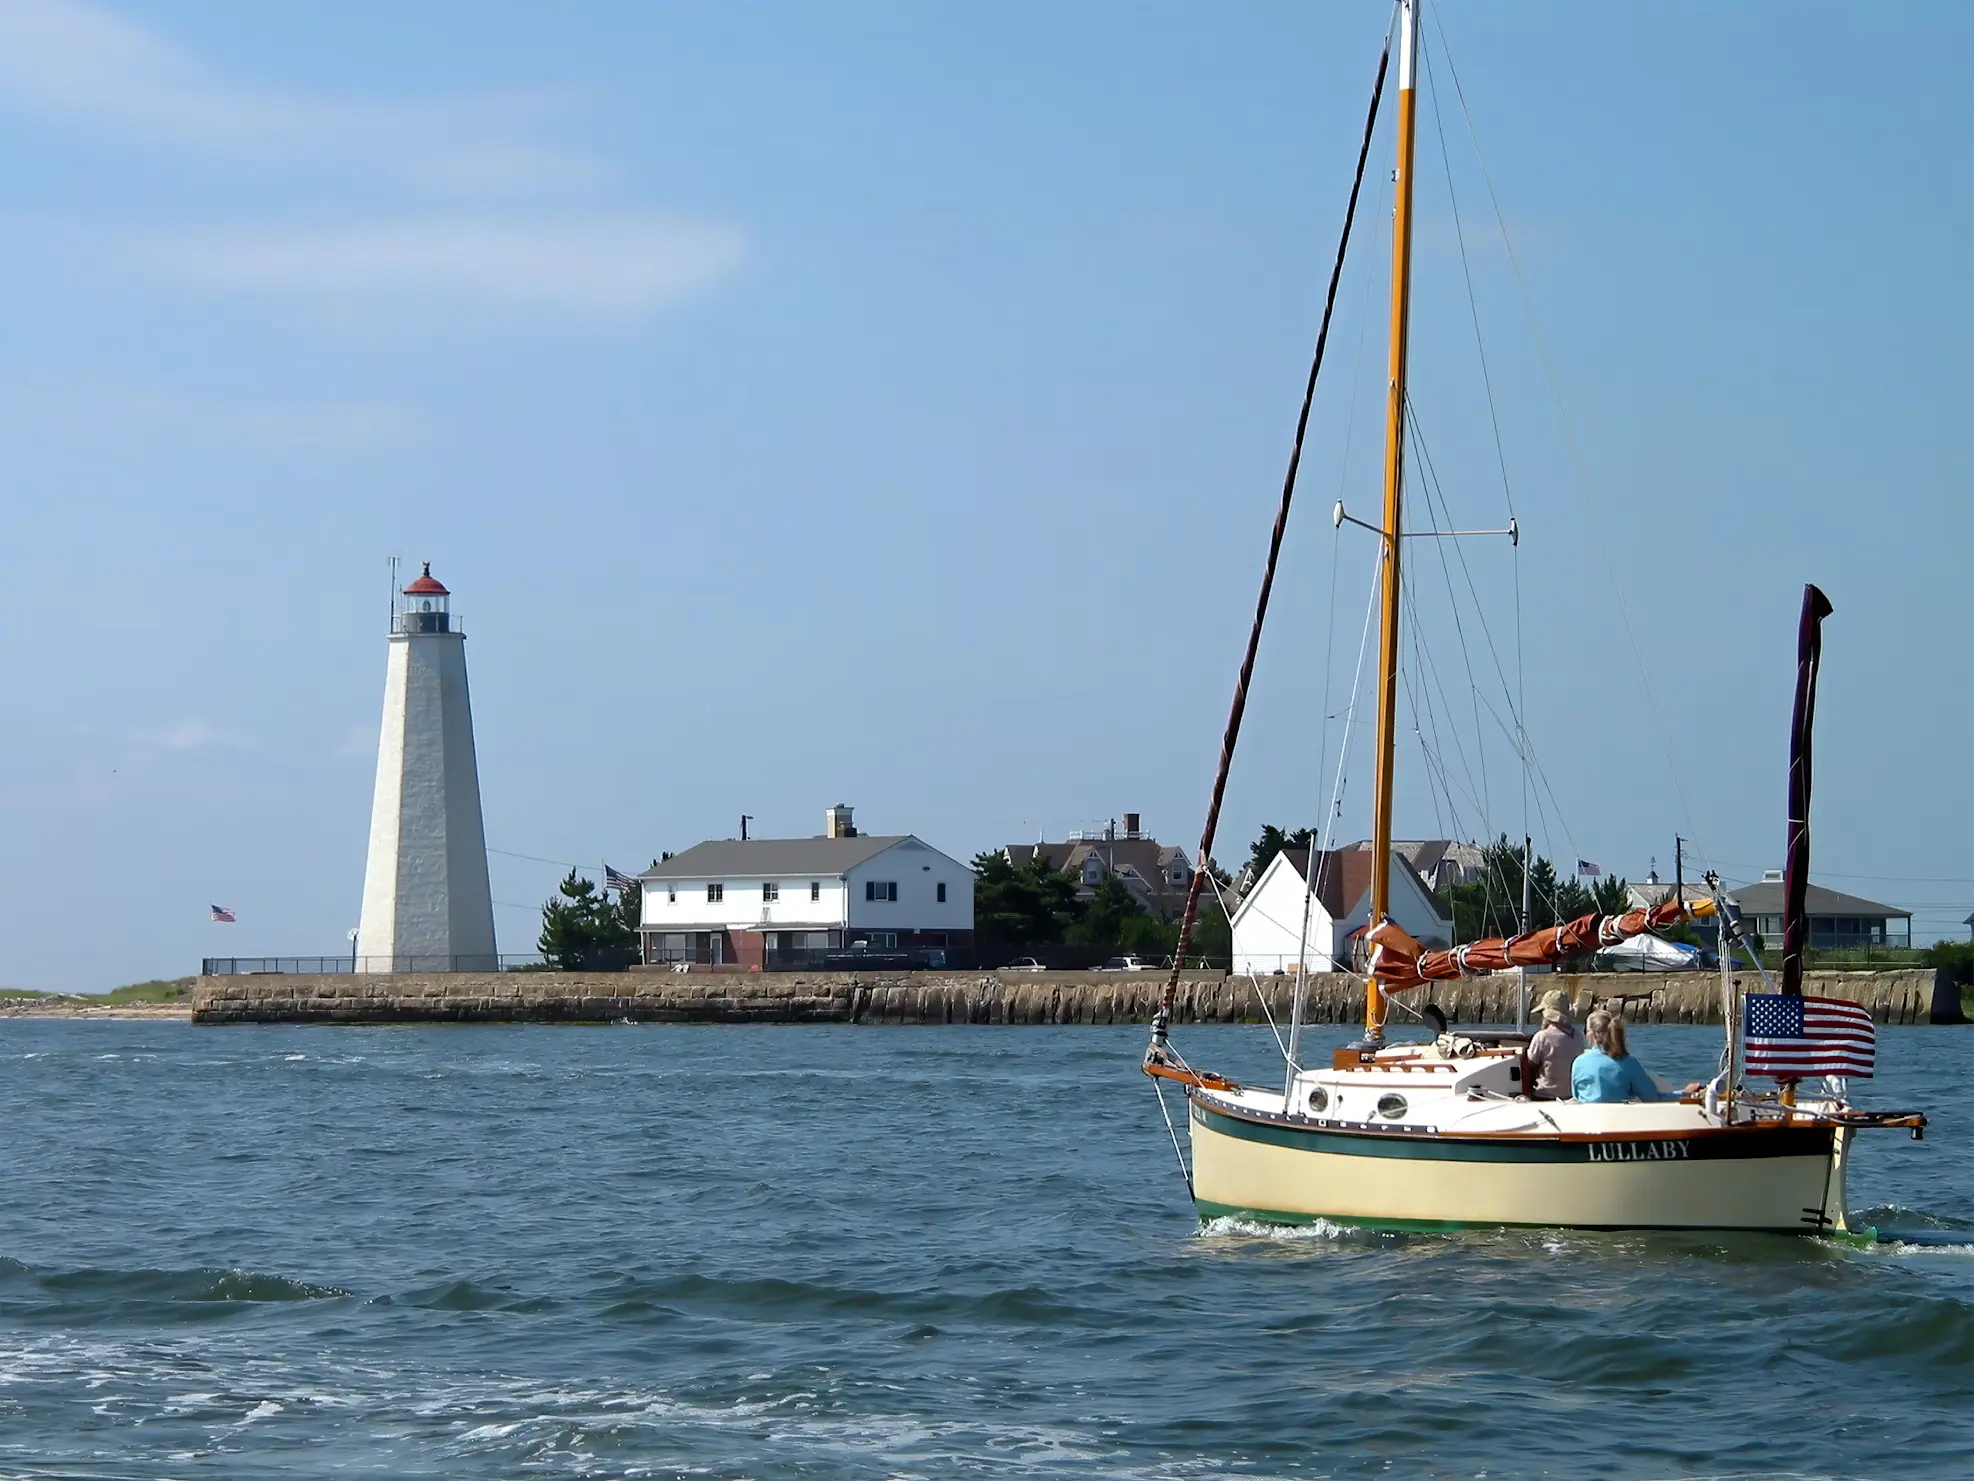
(427, 905)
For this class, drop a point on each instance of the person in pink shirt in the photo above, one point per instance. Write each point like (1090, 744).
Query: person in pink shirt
(1552, 1052)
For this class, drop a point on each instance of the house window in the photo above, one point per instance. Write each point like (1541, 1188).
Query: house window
(671, 894)
(880, 889)
(770, 891)
(715, 893)
(942, 892)
(815, 889)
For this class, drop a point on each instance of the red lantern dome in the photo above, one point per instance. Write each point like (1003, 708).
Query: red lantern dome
(426, 585)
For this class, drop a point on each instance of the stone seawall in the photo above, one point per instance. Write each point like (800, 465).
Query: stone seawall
(958, 997)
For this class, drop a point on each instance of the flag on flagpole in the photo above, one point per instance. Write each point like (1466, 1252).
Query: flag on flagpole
(1593, 871)
(221, 913)
(1792, 1038)
(616, 879)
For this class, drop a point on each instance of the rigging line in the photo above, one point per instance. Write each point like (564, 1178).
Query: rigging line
(1467, 272)
(1431, 718)
(1428, 486)
(1425, 750)
(1268, 573)
(1518, 737)
(1542, 776)
(1317, 873)
(1569, 437)
(536, 858)
(1493, 414)
(1171, 1131)
(1433, 486)
(1429, 677)
(1350, 713)
(1254, 982)
(1336, 546)
(1431, 666)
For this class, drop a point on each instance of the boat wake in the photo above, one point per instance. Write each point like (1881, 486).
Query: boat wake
(1318, 1230)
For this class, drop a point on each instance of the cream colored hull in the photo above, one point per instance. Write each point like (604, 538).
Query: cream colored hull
(1287, 1175)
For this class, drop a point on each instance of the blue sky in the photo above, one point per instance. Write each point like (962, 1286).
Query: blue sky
(887, 404)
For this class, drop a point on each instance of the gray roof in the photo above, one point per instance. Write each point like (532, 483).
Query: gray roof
(1768, 898)
(774, 858)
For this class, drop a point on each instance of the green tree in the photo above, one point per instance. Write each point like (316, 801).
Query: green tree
(1611, 895)
(1271, 842)
(584, 930)
(1032, 905)
(1110, 908)
(1491, 905)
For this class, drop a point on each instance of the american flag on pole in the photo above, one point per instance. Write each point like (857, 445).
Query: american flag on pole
(1594, 871)
(221, 913)
(1792, 1038)
(616, 879)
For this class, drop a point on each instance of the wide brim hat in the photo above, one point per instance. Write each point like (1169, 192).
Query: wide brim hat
(1555, 1006)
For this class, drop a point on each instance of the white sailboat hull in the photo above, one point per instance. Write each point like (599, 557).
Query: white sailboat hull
(1784, 1179)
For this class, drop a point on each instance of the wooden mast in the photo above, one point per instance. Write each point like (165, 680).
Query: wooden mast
(1401, 283)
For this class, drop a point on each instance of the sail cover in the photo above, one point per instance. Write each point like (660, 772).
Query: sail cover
(1399, 962)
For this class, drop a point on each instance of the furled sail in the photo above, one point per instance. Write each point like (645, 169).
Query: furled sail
(1399, 962)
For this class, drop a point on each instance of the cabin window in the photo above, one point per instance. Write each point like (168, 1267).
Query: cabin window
(1392, 1106)
(1319, 1101)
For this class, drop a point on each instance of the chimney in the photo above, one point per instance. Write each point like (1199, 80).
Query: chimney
(1131, 825)
(836, 822)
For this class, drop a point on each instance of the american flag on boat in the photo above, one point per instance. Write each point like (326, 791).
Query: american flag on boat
(221, 913)
(1593, 871)
(1792, 1038)
(616, 879)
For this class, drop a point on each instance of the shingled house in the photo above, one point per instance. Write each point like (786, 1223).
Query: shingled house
(1157, 874)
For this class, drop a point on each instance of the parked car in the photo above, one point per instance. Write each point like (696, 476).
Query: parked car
(1024, 964)
(1128, 963)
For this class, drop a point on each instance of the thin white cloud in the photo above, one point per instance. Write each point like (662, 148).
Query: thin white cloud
(198, 735)
(61, 58)
(612, 265)
(37, 408)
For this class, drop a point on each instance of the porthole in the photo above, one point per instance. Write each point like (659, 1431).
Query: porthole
(1391, 1106)
(1319, 1101)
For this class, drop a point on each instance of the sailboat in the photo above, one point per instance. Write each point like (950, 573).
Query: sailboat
(1442, 1132)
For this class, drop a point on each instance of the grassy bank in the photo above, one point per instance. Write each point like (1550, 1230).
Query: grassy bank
(157, 990)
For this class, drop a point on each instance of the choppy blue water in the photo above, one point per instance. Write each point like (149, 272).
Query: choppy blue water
(851, 1253)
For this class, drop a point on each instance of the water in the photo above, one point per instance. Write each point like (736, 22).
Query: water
(850, 1253)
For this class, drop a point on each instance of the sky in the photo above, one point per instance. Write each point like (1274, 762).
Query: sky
(888, 403)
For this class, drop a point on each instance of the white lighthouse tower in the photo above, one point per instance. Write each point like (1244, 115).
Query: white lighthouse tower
(427, 905)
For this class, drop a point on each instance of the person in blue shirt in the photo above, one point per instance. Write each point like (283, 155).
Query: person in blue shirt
(1607, 1072)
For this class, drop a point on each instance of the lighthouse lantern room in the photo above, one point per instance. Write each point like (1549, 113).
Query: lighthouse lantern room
(426, 604)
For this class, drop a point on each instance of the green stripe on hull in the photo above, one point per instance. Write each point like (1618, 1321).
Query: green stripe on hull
(1795, 1141)
(1207, 1209)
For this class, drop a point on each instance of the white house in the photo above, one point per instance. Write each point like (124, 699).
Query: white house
(1268, 921)
(758, 902)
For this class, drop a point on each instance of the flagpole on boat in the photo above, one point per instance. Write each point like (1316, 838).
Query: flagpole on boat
(1392, 527)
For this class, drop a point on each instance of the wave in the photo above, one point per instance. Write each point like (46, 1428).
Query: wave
(772, 1298)
(95, 1285)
